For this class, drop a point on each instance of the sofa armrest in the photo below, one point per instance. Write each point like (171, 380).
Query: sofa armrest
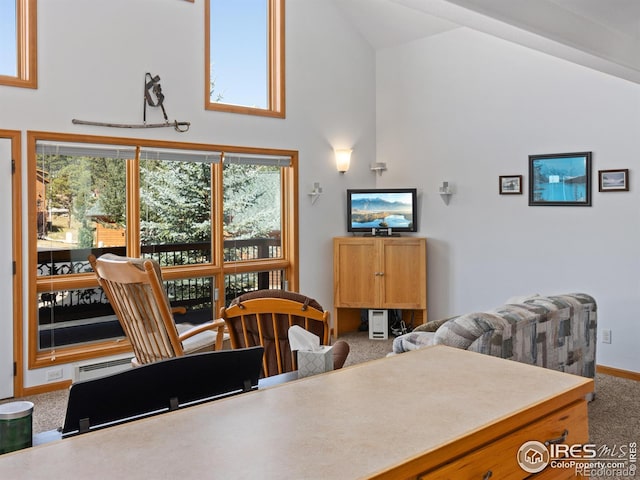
(412, 341)
(475, 331)
(433, 325)
(443, 331)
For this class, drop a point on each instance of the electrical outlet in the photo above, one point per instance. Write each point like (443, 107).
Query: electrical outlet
(606, 336)
(54, 374)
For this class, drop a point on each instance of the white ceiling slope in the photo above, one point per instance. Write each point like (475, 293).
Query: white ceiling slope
(601, 34)
(384, 23)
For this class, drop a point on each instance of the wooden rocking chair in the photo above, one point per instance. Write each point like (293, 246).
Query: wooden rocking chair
(133, 286)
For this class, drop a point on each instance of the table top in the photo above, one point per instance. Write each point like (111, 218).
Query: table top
(356, 422)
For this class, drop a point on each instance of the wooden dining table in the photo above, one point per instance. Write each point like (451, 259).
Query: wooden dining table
(404, 416)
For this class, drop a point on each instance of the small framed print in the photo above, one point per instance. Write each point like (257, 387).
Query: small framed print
(613, 180)
(510, 184)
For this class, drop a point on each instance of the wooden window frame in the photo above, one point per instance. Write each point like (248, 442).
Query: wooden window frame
(276, 65)
(27, 46)
(217, 269)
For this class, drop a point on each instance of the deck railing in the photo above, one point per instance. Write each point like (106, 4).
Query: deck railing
(67, 261)
(84, 315)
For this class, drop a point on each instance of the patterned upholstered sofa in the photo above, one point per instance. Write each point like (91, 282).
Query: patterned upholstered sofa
(557, 332)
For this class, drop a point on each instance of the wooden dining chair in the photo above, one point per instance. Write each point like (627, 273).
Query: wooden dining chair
(263, 317)
(134, 289)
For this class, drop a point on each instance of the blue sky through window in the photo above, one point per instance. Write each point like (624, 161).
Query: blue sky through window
(239, 46)
(8, 39)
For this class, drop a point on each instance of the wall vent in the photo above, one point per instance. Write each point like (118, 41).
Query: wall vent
(100, 369)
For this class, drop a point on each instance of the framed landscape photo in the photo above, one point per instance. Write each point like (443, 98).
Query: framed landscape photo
(510, 184)
(613, 180)
(560, 179)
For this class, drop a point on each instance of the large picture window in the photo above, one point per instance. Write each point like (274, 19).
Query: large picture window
(18, 44)
(244, 56)
(220, 221)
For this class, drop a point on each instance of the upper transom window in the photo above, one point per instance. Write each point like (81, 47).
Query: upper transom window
(244, 56)
(18, 43)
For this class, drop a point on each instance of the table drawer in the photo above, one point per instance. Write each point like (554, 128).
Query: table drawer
(498, 459)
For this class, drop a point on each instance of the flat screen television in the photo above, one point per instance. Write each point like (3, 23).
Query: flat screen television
(371, 210)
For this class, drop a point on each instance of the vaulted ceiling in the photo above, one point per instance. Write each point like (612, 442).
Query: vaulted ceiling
(600, 34)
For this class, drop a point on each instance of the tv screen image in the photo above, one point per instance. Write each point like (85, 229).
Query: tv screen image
(381, 209)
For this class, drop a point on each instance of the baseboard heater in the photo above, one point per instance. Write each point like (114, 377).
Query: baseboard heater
(100, 369)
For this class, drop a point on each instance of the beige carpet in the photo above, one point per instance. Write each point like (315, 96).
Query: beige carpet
(614, 416)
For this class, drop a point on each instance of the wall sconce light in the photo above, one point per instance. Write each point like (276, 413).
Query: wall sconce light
(378, 167)
(315, 193)
(343, 159)
(446, 191)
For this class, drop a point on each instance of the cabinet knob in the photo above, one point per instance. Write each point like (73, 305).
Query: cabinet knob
(379, 274)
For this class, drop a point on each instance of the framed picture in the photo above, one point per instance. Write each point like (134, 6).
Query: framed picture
(613, 180)
(510, 184)
(560, 179)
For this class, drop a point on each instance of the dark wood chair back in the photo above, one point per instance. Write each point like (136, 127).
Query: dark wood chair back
(263, 318)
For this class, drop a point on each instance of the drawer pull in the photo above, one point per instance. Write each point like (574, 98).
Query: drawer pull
(559, 439)
(487, 475)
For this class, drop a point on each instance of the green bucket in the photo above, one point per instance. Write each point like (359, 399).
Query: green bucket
(16, 425)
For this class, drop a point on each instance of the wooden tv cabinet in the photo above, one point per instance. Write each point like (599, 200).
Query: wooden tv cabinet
(378, 273)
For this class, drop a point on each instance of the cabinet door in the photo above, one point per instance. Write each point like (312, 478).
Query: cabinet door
(356, 265)
(404, 277)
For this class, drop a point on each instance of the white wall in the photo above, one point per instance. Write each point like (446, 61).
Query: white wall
(93, 57)
(466, 107)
